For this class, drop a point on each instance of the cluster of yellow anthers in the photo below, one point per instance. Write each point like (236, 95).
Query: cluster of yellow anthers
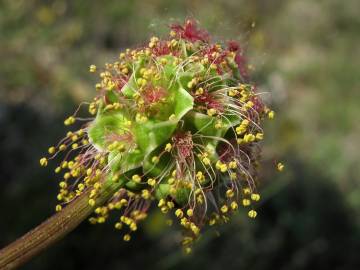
(176, 122)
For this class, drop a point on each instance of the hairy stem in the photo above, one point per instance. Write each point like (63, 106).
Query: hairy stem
(52, 230)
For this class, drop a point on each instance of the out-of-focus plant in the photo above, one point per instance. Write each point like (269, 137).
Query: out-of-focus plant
(176, 123)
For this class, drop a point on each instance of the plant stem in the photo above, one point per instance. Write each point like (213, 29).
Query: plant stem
(52, 230)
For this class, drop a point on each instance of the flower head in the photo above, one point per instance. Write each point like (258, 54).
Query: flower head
(175, 124)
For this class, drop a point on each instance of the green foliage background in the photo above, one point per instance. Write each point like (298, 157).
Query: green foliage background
(305, 55)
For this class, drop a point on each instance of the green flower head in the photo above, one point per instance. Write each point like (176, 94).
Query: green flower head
(175, 123)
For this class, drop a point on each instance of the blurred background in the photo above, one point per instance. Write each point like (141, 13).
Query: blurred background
(304, 53)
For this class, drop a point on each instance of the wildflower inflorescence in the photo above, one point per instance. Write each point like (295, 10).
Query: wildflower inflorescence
(176, 123)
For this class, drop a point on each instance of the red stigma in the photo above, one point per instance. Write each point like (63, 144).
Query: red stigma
(208, 101)
(153, 95)
(190, 31)
(161, 48)
(184, 145)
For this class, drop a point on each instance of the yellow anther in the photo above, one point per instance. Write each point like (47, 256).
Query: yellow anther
(229, 193)
(199, 91)
(249, 104)
(184, 222)
(218, 125)
(259, 136)
(194, 228)
(97, 185)
(111, 206)
(280, 167)
(62, 147)
(255, 197)
(92, 68)
(69, 121)
(58, 208)
(62, 184)
(232, 92)
(142, 71)
(246, 190)
(74, 146)
(240, 129)
(223, 168)
(239, 141)
(179, 213)
(224, 209)
(161, 203)
(232, 165)
(252, 214)
(58, 169)
(173, 43)
(123, 202)
(115, 178)
(52, 150)
(91, 202)
(249, 138)
(234, 206)
(127, 237)
(59, 197)
(151, 182)
(170, 205)
(118, 225)
(233, 176)
(145, 194)
(206, 161)
(89, 171)
(133, 226)
(140, 118)
(164, 209)
(110, 85)
(190, 212)
(271, 115)
(171, 180)
(43, 162)
(80, 132)
(172, 117)
(163, 61)
(211, 112)
(200, 176)
(155, 159)
(212, 221)
(246, 202)
(136, 178)
(71, 164)
(168, 147)
(245, 122)
(92, 193)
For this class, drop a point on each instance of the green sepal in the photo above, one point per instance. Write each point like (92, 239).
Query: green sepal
(182, 196)
(104, 124)
(153, 133)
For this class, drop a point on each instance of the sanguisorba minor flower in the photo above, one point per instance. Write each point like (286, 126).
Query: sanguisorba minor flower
(175, 123)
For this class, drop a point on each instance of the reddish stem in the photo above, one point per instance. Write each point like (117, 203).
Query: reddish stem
(51, 230)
